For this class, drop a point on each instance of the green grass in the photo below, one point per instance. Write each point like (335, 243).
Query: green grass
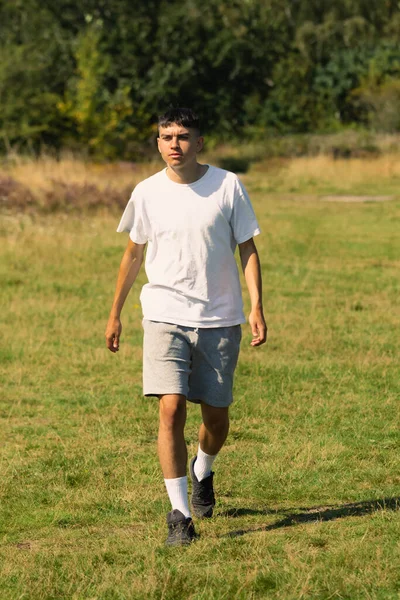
(308, 483)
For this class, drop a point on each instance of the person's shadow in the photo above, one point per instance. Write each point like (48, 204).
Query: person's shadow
(310, 515)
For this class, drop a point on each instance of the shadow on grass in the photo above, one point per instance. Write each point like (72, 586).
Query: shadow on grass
(312, 515)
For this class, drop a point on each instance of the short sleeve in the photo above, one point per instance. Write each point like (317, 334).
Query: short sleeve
(134, 220)
(243, 221)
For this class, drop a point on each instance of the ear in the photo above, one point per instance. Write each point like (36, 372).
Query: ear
(200, 143)
(158, 144)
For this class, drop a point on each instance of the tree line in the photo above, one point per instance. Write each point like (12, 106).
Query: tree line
(93, 75)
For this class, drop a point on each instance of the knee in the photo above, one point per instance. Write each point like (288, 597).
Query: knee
(172, 414)
(217, 426)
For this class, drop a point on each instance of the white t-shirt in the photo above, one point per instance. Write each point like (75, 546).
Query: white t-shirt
(192, 231)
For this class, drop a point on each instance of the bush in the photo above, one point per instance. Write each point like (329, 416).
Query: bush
(14, 195)
(382, 104)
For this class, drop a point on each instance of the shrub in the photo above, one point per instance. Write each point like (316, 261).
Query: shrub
(14, 195)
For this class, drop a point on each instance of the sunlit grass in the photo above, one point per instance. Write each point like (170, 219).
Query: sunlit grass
(308, 482)
(69, 184)
(40, 174)
(326, 175)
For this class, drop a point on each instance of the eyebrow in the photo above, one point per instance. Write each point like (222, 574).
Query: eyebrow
(165, 135)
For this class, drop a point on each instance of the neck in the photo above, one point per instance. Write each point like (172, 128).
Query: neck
(188, 174)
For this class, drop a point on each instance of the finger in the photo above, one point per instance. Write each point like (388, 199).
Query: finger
(110, 342)
(261, 336)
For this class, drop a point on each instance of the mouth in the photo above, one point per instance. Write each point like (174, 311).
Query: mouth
(175, 155)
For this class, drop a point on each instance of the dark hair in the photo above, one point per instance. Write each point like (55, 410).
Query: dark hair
(185, 117)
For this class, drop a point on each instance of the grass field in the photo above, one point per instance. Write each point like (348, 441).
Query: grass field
(308, 484)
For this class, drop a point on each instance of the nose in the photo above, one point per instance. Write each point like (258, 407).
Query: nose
(175, 142)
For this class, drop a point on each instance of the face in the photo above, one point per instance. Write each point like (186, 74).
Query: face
(179, 145)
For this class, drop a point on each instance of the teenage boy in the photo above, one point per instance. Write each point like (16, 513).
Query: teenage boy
(192, 216)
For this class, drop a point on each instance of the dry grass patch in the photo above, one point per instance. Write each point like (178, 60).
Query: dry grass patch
(357, 198)
(349, 171)
(376, 176)
(47, 184)
(69, 184)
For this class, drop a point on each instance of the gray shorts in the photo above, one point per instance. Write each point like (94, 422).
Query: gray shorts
(198, 363)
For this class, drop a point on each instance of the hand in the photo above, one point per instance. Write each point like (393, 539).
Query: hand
(258, 328)
(113, 333)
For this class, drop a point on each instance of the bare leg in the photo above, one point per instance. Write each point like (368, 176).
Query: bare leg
(214, 429)
(172, 449)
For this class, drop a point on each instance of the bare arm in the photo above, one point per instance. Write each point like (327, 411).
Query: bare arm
(128, 271)
(252, 273)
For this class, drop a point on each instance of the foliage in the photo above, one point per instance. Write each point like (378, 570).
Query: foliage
(94, 75)
(378, 96)
(103, 119)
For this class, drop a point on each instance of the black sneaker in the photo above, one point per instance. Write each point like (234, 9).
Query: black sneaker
(180, 529)
(203, 499)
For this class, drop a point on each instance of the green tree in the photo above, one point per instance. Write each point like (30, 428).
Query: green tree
(93, 75)
(34, 67)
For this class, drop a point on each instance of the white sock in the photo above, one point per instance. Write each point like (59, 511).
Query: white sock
(203, 464)
(177, 490)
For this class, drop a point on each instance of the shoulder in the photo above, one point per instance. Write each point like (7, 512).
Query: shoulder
(228, 183)
(226, 176)
(149, 184)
